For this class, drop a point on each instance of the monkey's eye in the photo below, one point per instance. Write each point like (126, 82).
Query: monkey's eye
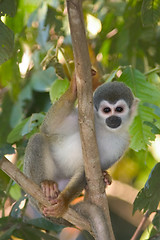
(119, 109)
(106, 110)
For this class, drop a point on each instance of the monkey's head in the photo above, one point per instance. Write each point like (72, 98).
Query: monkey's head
(115, 104)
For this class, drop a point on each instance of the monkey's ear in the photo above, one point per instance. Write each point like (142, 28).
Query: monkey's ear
(134, 107)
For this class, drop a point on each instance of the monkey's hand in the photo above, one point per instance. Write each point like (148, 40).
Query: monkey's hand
(107, 178)
(50, 189)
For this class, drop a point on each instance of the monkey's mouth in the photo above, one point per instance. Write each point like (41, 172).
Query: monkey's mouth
(113, 122)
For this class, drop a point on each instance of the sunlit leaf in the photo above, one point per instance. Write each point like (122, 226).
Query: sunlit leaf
(58, 88)
(15, 192)
(34, 121)
(141, 132)
(27, 126)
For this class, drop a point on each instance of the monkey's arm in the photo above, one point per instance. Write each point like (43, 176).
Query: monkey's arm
(60, 109)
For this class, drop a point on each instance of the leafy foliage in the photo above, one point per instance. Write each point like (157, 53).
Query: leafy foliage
(58, 88)
(141, 131)
(27, 127)
(6, 149)
(37, 57)
(8, 7)
(16, 227)
(150, 12)
(6, 42)
(149, 196)
(6, 35)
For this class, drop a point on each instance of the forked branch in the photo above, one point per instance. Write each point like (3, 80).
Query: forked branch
(93, 172)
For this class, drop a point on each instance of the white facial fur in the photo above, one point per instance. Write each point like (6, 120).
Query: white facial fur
(119, 109)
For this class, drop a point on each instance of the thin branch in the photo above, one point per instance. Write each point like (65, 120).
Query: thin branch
(35, 191)
(86, 117)
(140, 227)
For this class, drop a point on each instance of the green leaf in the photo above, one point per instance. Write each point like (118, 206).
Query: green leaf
(3, 221)
(2, 194)
(150, 12)
(54, 18)
(6, 149)
(156, 220)
(58, 88)
(6, 42)
(15, 192)
(15, 135)
(46, 225)
(149, 196)
(111, 76)
(8, 7)
(34, 121)
(42, 80)
(154, 107)
(51, 59)
(4, 180)
(153, 77)
(154, 129)
(16, 210)
(5, 117)
(17, 113)
(27, 126)
(32, 233)
(9, 232)
(141, 132)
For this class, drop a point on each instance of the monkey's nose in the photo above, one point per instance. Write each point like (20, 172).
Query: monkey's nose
(113, 122)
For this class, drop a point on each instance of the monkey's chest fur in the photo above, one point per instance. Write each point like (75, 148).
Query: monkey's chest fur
(67, 151)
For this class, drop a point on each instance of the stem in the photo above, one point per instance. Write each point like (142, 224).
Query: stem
(86, 119)
(140, 226)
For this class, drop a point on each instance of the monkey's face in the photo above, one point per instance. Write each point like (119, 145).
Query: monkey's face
(114, 115)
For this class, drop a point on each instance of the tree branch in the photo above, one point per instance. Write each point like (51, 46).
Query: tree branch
(86, 117)
(140, 227)
(71, 216)
(100, 221)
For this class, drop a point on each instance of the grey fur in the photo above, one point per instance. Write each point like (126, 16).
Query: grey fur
(112, 92)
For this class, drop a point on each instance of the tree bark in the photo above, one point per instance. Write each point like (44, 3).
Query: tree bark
(95, 209)
(93, 171)
(35, 191)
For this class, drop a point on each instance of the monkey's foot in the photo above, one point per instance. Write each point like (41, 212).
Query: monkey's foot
(58, 208)
(107, 178)
(50, 189)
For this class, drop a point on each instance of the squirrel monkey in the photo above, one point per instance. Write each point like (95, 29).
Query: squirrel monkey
(53, 157)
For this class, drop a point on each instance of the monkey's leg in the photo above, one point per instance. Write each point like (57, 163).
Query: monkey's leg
(38, 163)
(50, 189)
